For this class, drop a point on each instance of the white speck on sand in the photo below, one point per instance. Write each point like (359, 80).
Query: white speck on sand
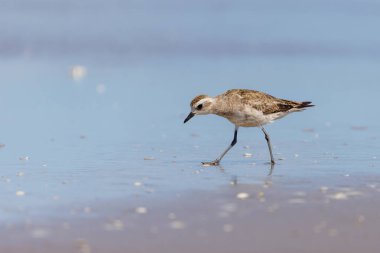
(39, 233)
(137, 184)
(20, 193)
(78, 72)
(176, 224)
(141, 210)
(242, 195)
(114, 225)
(372, 186)
(339, 196)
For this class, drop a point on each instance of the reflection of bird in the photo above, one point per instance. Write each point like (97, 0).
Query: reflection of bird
(245, 108)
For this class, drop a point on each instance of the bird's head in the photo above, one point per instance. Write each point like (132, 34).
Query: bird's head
(200, 105)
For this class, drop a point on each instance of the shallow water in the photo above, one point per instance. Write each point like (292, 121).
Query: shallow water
(114, 136)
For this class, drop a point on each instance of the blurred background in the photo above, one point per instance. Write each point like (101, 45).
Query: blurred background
(150, 58)
(89, 88)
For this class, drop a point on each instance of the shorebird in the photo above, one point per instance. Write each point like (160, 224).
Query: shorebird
(245, 108)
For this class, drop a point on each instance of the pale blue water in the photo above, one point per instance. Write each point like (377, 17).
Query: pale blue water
(153, 58)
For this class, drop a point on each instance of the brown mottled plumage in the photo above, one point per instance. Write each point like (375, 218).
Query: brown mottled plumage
(263, 102)
(245, 108)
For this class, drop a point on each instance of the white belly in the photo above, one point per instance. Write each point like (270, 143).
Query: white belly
(253, 118)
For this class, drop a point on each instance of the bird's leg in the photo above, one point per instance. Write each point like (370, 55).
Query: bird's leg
(271, 169)
(216, 162)
(269, 145)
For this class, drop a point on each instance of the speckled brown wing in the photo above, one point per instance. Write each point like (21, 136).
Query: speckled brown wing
(265, 102)
(280, 105)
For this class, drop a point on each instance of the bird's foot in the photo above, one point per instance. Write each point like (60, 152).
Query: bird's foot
(213, 163)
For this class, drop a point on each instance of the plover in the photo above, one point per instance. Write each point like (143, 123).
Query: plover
(245, 108)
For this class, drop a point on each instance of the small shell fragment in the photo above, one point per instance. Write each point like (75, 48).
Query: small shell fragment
(137, 184)
(339, 196)
(114, 225)
(39, 233)
(78, 72)
(176, 224)
(141, 210)
(20, 193)
(242, 195)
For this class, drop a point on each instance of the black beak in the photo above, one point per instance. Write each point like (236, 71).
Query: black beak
(189, 117)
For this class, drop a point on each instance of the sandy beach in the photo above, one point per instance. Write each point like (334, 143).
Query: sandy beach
(261, 217)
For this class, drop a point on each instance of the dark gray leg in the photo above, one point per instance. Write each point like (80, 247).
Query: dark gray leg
(269, 145)
(216, 162)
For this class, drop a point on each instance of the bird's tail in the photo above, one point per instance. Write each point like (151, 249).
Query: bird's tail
(304, 105)
(300, 106)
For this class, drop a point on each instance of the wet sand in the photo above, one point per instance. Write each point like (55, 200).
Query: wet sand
(311, 202)
(262, 217)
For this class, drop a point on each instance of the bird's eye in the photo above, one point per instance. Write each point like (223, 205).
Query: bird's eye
(199, 107)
